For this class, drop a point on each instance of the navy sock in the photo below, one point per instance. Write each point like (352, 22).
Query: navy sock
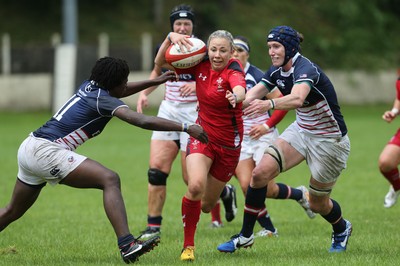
(154, 221)
(265, 221)
(255, 198)
(334, 217)
(123, 241)
(295, 194)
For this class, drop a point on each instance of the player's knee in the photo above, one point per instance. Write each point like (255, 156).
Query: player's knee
(111, 178)
(277, 154)
(157, 177)
(386, 165)
(261, 175)
(257, 175)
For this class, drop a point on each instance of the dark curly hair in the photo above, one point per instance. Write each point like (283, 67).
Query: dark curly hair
(109, 72)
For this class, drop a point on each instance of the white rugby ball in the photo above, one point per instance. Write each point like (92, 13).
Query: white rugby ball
(186, 59)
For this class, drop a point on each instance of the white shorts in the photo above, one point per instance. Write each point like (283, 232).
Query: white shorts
(255, 149)
(326, 157)
(41, 161)
(179, 112)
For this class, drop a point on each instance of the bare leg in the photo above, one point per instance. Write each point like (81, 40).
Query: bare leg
(91, 174)
(162, 155)
(22, 199)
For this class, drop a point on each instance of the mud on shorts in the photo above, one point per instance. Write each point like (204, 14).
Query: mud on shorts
(326, 157)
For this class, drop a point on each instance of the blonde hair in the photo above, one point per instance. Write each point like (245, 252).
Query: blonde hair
(221, 34)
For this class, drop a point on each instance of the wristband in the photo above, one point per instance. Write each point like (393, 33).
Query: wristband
(266, 127)
(272, 104)
(234, 95)
(169, 37)
(395, 111)
(185, 127)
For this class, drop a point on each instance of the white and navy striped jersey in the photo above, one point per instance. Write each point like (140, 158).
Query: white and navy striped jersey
(320, 114)
(172, 90)
(253, 76)
(82, 117)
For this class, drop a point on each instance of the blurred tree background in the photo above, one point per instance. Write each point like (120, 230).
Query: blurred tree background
(341, 34)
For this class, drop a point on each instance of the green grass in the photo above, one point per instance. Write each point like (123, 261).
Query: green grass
(68, 226)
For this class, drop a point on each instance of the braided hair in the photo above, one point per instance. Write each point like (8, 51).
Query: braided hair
(109, 72)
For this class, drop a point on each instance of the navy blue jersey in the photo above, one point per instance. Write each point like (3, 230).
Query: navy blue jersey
(82, 117)
(320, 113)
(253, 75)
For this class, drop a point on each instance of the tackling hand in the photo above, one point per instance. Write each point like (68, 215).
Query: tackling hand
(168, 75)
(257, 107)
(197, 132)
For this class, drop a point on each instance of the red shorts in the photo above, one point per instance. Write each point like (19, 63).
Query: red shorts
(224, 159)
(395, 140)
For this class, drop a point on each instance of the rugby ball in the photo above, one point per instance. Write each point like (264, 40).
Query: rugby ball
(186, 59)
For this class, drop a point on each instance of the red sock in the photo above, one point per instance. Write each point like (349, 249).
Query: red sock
(263, 212)
(190, 217)
(216, 213)
(393, 177)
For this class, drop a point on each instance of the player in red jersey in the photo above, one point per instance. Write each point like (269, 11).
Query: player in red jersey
(389, 159)
(220, 88)
(179, 104)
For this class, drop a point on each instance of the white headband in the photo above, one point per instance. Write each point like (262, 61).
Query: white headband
(242, 44)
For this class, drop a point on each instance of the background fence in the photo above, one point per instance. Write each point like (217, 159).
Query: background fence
(29, 79)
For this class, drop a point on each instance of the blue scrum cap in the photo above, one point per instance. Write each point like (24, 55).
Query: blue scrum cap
(181, 12)
(288, 37)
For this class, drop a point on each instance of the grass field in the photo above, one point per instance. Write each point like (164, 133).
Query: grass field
(68, 226)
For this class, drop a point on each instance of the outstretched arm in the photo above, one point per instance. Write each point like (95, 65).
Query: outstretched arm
(160, 124)
(257, 92)
(288, 102)
(142, 101)
(134, 87)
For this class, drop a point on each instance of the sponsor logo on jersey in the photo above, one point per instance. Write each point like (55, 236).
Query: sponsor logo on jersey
(55, 171)
(219, 84)
(202, 77)
(280, 83)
